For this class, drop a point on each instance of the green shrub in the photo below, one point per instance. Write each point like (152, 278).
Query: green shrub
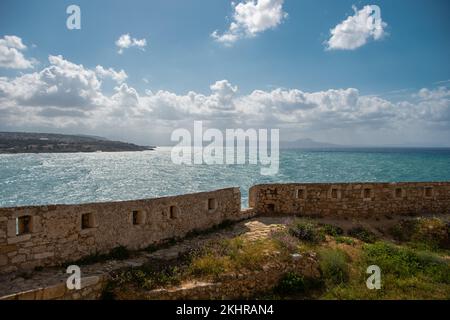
(307, 231)
(404, 230)
(362, 234)
(406, 262)
(250, 255)
(332, 230)
(333, 264)
(147, 277)
(431, 232)
(290, 283)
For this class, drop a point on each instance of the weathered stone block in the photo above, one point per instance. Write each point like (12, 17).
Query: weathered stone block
(43, 255)
(27, 295)
(19, 258)
(17, 239)
(89, 281)
(3, 260)
(11, 228)
(54, 292)
(7, 248)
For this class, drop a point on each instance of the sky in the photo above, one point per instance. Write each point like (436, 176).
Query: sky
(344, 72)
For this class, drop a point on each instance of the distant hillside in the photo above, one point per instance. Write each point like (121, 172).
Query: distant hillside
(307, 143)
(24, 142)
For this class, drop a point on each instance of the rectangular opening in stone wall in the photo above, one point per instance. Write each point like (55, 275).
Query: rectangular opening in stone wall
(367, 193)
(23, 225)
(271, 207)
(174, 212)
(138, 217)
(428, 192)
(87, 220)
(212, 204)
(300, 193)
(398, 193)
(334, 193)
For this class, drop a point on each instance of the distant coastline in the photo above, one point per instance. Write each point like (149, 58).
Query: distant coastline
(25, 142)
(309, 144)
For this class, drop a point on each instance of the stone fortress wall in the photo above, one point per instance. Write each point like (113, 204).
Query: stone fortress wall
(351, 200)
(51, 235)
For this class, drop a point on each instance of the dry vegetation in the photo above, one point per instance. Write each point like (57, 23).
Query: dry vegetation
(415, 265)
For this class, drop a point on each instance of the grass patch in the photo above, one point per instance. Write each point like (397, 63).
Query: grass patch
(209, 265)
(405, 274)
(406, 262)
(333, 265)
(345, 240)
(233, 255)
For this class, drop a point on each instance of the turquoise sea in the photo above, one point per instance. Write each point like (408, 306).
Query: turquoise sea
(31, 179)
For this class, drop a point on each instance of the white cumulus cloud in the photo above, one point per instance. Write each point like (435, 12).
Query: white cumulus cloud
(251, 18)
(118, 76)
(68, 96)
(62, 84)
(125, 41)
(11, 55)
(433, 94)
(358, 29)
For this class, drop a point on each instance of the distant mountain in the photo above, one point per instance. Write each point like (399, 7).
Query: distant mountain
(307, 144)
(311, 144)
(25, 142)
